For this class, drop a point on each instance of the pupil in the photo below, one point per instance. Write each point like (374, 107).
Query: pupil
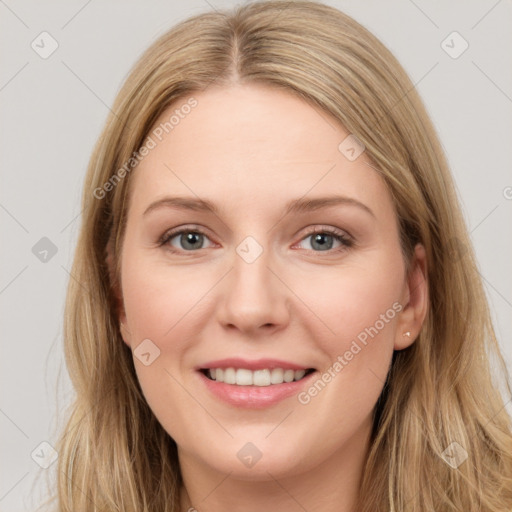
(191, 238)
(320, 238)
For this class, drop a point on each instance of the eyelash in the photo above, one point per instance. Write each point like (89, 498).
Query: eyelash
(346, 241)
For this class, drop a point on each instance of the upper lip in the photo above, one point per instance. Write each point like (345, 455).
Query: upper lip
(259, 364)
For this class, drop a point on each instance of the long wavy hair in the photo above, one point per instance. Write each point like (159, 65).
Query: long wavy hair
(113, 453)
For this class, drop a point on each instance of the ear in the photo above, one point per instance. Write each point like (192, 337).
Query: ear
(117, 293)
(414, 299)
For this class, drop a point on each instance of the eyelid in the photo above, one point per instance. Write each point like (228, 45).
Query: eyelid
(325, 228)
(171, 233)
(345, 238)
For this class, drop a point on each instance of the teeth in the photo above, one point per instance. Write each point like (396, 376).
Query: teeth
(276, 376)
(230, 376)
(288, 375)
(299, 374)
(244, 377)
(261, 378)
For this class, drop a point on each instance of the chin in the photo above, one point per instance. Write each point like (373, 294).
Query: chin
(255, 461)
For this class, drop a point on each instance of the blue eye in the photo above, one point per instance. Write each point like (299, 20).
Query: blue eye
(323, 238)
(191, 240)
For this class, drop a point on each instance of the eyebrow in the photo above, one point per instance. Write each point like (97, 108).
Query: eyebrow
(295, 206)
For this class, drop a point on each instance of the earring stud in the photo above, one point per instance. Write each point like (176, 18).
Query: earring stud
(408, 334)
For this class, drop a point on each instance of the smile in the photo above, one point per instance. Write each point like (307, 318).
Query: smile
(261, 377)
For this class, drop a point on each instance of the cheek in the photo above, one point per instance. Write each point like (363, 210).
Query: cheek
(352, 299)
(159, 304)
(356, 311)
(157, 300)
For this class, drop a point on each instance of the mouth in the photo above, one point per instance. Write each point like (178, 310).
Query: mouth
(261, 377)
(253, 384)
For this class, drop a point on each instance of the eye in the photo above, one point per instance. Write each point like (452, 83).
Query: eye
(323, 238)
(187, 239)
(192, 239)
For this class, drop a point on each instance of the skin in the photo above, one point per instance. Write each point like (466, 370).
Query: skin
(250, 149)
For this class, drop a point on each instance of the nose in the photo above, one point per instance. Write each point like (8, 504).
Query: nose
(254, 297)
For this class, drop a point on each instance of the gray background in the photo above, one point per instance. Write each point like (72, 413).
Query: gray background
(52, 111)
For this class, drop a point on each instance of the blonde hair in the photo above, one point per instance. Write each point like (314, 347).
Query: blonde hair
(113, 453)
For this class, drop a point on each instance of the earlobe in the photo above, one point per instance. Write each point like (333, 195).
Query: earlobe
(406, 341)
(416, 301)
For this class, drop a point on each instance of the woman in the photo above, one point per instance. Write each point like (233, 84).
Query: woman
(325, 344)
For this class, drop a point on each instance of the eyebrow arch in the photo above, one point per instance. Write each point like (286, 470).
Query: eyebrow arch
(295, 206)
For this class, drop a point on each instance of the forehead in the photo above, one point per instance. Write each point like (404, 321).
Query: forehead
(252, 145)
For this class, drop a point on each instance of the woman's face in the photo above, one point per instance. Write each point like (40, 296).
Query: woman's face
(272, 285)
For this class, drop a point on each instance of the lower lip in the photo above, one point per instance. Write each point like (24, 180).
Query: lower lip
(254, 397)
